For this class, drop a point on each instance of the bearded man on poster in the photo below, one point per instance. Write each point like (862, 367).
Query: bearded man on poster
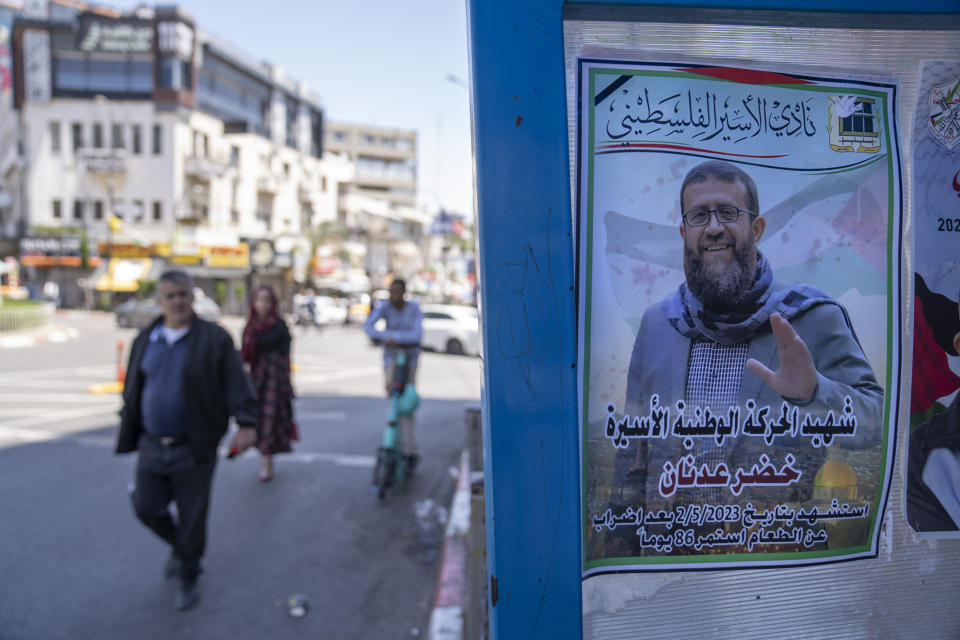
(732, 333)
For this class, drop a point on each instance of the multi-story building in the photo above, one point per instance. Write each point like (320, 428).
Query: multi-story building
(160, 144)
(378, 206)
(385, 158)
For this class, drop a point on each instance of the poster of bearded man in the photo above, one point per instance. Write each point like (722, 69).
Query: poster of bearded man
(738, 279)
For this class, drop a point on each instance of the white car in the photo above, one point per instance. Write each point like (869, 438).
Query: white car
(451, 328)
(329, 311)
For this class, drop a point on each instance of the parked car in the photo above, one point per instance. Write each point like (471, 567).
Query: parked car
(329, 311)
(139, 313)
(451, 328)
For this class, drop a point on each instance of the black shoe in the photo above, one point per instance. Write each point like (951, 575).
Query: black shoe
(187, 595)
(411, 462)
(172, 568)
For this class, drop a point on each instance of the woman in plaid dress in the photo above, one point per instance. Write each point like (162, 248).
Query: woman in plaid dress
(266, 354)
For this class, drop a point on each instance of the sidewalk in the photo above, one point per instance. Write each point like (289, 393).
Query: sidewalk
(40, 335)
(459, 605)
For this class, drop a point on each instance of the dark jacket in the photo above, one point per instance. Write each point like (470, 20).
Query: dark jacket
(215, 387)
(942, 431)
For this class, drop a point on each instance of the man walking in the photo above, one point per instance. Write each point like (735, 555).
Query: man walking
(184, 380)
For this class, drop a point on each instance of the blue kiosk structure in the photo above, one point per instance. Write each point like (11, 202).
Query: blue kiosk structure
(522, 79)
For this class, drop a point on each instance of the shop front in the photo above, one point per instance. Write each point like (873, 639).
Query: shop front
(221, 271)
(56, 266)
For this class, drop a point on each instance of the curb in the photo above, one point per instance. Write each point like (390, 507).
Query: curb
(446, 619)
(20, 340)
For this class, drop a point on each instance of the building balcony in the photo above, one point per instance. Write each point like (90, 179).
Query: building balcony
(268, 184)
(308, 193)
(205, 169)
(385, 152)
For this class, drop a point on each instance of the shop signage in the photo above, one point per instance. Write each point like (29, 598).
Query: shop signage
(115, 36)
(49, 252)
(103, 160)
(237, 256)
(126, 250)
(261, 255)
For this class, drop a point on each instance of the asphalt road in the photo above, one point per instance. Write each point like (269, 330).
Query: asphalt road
(75, 563)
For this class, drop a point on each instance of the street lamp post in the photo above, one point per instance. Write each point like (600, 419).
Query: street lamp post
(104, 103)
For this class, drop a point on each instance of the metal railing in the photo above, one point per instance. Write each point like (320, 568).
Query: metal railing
(19, 318)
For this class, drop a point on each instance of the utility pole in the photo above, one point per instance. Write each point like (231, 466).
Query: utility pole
(102, 100)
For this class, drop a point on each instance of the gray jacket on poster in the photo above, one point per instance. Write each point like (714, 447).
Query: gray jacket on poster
(659, 364)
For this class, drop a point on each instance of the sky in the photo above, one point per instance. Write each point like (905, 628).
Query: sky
(380, 62)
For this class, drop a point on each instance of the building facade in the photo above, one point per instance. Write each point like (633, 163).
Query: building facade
(158, 144)
(378, 207)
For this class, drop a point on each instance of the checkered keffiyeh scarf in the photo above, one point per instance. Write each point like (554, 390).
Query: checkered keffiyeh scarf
(742, 321)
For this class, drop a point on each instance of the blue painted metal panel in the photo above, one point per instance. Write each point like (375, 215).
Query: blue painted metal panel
(848, 6)
(528, 306)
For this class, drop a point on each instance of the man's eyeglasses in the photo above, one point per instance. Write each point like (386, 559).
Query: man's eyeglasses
(726, 213)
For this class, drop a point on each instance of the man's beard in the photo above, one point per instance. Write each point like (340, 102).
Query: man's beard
(721, 286)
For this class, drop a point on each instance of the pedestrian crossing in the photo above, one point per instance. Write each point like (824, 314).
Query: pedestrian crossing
(321, 373)
(47, 404)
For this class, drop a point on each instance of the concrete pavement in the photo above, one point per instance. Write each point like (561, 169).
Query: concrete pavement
(357, 561)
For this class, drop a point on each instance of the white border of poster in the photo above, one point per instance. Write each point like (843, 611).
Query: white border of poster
(669, 482)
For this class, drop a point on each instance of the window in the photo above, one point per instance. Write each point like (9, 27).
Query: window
(116, 137)
(175, 73)
(76, 133)
(157, 142)
(264, 207)
(138, 210)
(861, 123)
(157, 211)
(98, 209)
(119, 208)
(200, 144)
(136, 139)
(100, 72)
(323, 183)
(57, 209)
(78, 209)
(234, 156)
(286, 169)
(55, 137)
(97, 135)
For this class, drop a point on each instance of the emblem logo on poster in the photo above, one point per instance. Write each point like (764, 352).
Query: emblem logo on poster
(853, 124)
(944, 110)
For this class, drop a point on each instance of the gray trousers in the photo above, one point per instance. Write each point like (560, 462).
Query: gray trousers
(171, 474)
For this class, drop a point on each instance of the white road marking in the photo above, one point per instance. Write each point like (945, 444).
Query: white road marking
(55, 416)
(333, 376)
(67, 373)
(333, 416)
(78, 398)
(16, 342)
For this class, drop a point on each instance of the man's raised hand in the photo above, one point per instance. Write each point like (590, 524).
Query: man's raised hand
(796, 378)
